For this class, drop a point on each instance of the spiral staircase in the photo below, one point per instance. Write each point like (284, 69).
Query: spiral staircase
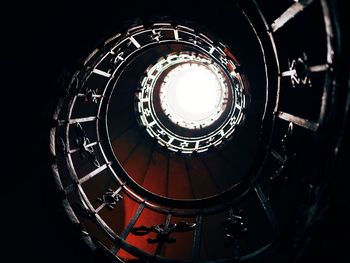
(142, 188)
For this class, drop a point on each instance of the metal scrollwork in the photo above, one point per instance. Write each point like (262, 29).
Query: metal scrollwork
(299, 72)
(90, 96)
(163, 232)
(110, 199)
(86, 150)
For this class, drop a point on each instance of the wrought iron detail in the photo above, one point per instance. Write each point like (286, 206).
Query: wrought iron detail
(83, 142)
(90, 96)
(112, 57)
(299, 72)
(110, 198)
(234, 227)
(163, 232)
(156, 35)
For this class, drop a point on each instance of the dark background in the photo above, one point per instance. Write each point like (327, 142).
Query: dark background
(40, 43)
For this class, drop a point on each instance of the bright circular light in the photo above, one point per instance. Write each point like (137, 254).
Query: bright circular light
(193, 95)
(188, 102)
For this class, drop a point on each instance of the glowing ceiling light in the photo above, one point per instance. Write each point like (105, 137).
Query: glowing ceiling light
(193, 95)
(188, 102)
(193, 92)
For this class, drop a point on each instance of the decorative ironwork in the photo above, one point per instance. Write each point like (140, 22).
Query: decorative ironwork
(299, 72)
(83, 142)
(156, 35)
(231, 107)
(90, 96)
(163, 232)
(234, 227)
(117, 51)
(110, 198)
